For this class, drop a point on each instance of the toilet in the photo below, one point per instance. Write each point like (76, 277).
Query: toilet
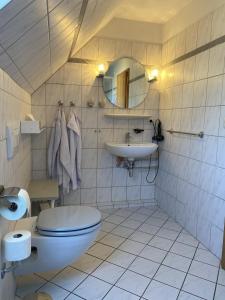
(60, 236)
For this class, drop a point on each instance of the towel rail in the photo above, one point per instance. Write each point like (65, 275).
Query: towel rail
(199, 134)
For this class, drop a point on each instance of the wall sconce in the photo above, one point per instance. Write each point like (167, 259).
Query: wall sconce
(153, 75)
(101, 69)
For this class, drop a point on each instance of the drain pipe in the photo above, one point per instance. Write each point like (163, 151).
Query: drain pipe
(130, 167)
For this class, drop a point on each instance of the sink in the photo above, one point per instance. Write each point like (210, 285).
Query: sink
(131, 151)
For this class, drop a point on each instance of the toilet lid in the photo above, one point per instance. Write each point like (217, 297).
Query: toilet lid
(68, 218)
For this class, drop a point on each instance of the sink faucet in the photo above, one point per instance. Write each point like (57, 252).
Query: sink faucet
(127, 138)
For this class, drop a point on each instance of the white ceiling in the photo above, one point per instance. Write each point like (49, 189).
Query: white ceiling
(154, 11)
(38, 36)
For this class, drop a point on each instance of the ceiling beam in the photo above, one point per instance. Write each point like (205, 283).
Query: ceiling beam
(77, 30)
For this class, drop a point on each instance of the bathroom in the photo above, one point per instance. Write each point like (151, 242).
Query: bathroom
(144, 217)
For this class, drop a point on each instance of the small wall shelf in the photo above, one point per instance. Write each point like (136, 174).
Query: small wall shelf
(31, 127)
(128, 116)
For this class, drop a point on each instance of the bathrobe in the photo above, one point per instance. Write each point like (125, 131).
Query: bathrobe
(54, 167)
(74, 133)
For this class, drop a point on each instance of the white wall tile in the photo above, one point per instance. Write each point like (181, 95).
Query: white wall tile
(216, 60)
(194, 167)
(204, 30)
(191, 37)
(217, 23)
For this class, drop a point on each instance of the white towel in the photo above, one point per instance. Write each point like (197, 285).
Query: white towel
(55, 138)
(64, 152)
(74, 133)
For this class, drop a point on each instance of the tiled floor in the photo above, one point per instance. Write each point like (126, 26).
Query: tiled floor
(140, 254)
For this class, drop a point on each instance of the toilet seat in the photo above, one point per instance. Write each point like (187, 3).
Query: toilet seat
(68, 221)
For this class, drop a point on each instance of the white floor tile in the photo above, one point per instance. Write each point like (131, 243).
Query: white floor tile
(168, 234)
(92, 289)
(221, 278)
(220, 292)
(152, 250)
(138, 217)
(101, 235)
(49, 275)
(28, 284)
(186, 296)
(107, 226)
(141, 237)
(161, 243)
(130, 223)
(170, 276)
(100, 251)
(178, 262)
(187, 239)
(204, 271)
(123, 212)
(118, 294)
(160, 291)
(54, 291)
(183, 250)
(155, 221)
(201, 246)
(115, 219)
(146, 211)
(153, 254)
(121, 258)
(199, 287)
(132, 247)
(87, 263)
(160, 214)
(112, 240)
(133, 282)
(73, 297)
(109, 211)
(172, 225)
(206, 257)
(69, 278)
(108, 272)
(147, 228)
(123, 231)
(144, 267)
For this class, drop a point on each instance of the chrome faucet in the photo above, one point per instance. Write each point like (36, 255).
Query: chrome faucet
(127, 138)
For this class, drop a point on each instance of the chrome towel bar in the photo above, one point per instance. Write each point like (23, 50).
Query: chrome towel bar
(200, 134)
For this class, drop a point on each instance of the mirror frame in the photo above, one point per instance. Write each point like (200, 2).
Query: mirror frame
(145, 72)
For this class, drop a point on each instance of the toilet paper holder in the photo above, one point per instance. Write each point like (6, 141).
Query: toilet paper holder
(9, 192)
(4, 194)
(6, 269)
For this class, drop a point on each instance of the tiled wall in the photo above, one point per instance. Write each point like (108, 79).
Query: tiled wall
(191, 181)
(102, 182)
(14, 104)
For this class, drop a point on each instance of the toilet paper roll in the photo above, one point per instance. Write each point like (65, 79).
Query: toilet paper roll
(17, 245)
(22, 204)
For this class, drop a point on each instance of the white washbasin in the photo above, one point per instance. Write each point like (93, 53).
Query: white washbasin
(131, 151)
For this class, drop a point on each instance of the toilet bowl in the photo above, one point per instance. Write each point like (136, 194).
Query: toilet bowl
(59, 237)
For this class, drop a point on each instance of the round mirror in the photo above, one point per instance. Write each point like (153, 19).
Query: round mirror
(124, 83)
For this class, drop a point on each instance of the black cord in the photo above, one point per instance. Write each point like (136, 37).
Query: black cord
(150, 158)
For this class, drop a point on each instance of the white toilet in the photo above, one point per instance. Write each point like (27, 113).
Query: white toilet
(60, 236)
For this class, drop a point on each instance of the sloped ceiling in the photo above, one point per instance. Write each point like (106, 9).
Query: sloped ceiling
(38, 36)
